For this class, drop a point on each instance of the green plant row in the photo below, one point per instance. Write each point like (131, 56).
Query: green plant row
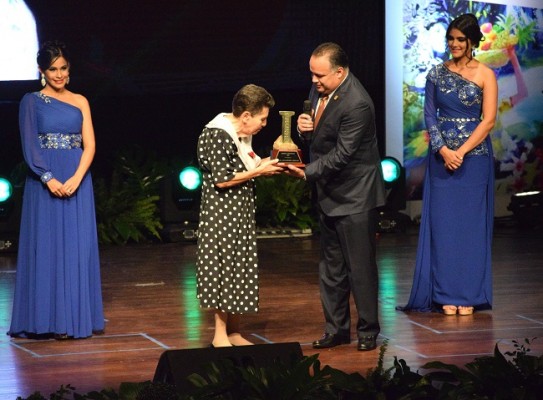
(127, 201)
(127, 198)
(282, 201)
(514, 375)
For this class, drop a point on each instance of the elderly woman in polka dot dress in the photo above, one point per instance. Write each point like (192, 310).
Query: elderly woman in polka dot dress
(227, 255)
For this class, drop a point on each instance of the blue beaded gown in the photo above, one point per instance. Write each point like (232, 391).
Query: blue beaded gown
(57, 289)
(453, 264)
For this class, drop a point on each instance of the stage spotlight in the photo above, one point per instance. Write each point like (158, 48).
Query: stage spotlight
(390, 219)
(190, 178)
(527, 207)
(10, 199)
(394, 176)
(6, 193)
(187, 195)
(180, 204)
(6, 190)
(392, 170)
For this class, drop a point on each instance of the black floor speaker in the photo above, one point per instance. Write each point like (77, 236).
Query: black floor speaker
(174, 366)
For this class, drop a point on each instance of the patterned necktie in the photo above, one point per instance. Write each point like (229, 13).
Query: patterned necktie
(320, 110)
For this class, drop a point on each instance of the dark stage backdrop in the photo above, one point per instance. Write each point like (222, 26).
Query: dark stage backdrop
(156, 71)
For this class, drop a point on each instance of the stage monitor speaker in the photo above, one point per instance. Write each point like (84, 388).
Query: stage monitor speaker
(178, 205)
(174, 366)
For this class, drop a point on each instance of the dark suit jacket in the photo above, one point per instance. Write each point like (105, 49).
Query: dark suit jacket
(345, 165)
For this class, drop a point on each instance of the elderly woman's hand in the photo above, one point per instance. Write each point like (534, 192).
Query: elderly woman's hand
(269, 167)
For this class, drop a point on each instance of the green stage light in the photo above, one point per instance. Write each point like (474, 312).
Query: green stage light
(180, 194)
(6, 190)
(190, 178)
(392, 169)
(390, 217)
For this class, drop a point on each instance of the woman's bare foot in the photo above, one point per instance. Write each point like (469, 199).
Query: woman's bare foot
(449, 309)
(237, 340)
(221, 343)
(465, 310)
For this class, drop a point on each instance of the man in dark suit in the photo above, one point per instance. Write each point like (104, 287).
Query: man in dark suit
(345, 169)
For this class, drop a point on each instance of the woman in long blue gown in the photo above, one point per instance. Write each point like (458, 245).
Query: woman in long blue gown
(58, 289)
(453, 266)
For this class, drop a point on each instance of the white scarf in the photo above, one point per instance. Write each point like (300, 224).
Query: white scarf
(245, 150)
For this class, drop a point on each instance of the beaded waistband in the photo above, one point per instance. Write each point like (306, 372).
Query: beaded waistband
(64, 141)
(458, 119)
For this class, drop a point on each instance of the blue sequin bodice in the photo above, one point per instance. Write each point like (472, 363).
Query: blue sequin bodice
(459, 104)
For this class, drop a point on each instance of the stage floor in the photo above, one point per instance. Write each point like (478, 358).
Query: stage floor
(150, 306)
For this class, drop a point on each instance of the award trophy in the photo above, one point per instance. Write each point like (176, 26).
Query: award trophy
(284, 148)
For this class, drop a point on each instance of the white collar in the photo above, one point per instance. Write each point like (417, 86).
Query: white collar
(244, 144)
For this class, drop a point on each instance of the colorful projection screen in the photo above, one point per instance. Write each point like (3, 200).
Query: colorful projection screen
(513, 48)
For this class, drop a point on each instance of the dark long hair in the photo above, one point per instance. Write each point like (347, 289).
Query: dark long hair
(49, 52)
(469, 26)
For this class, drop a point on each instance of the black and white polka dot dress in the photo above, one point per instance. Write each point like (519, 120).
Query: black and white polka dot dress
(227, 276)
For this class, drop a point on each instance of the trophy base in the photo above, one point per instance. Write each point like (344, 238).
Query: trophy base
(292, 157)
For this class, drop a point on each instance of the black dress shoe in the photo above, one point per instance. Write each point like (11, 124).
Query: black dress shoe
(366, 343)
(330, 340)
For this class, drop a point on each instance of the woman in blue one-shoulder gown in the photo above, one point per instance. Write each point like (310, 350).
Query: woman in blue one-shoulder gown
(453, 266)
(58, 290)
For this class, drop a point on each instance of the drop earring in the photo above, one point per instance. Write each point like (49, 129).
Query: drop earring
(43, 80)
(67, 80)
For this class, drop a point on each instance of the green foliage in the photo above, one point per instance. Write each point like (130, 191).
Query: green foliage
(18, 174)
(127, 391)
(305, 379)
(493, 377)
(151, 391)
(511, 25)
(126, 204)
(283, 201)
(224, 380)
(127, 201)
(68, 392)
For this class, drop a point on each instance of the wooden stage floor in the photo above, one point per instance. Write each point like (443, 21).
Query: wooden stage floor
(150, 305)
